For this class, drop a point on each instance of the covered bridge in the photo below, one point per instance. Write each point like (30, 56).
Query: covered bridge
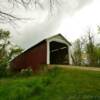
(52, 50)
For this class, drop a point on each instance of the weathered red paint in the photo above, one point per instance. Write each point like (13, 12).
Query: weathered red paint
(33, 58)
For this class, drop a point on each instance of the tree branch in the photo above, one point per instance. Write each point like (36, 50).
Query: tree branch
(7, 17)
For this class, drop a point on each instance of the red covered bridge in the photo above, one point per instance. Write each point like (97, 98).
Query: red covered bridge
(53, 50)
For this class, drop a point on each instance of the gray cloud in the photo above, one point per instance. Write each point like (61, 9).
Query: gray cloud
(34, 32)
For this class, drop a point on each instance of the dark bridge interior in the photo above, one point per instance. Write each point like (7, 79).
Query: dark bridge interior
(58, 53)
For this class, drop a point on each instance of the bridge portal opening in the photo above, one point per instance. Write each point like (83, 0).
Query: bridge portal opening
(58, 53)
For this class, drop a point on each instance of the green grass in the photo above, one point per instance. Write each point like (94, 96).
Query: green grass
(57, 84)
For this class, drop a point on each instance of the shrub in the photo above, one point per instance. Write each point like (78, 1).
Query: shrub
(26, 72)
(3, 68)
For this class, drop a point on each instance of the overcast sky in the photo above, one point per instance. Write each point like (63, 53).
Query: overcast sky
(72, 18)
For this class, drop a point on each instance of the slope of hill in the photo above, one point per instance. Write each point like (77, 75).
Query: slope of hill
(56, 84)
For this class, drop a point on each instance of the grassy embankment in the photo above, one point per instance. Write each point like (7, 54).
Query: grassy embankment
(57, 84)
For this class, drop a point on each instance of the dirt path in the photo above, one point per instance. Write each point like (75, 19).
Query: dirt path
(77, 67)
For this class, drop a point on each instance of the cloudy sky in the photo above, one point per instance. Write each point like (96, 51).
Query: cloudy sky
(71, 18)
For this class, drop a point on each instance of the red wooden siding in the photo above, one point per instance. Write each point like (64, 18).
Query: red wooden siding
(31, 58)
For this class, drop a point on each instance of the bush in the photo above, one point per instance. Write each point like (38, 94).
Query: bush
(26, 72)
(3, 68)
(2, 71)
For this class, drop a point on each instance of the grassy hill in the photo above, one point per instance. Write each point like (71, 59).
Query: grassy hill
(57, 84)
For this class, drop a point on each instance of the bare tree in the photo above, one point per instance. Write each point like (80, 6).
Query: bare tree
(6, 17)
(86, 51)
(90, 48)
(77, 52)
